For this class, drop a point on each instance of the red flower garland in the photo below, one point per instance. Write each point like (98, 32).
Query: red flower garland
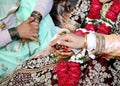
(94, 14)
(68, 73)
(114, 11)
(95, 7)
(91, 27)
(79, 32)
(103, 29)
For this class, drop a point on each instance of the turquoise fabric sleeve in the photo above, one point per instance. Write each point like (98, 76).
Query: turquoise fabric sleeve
(16, 52)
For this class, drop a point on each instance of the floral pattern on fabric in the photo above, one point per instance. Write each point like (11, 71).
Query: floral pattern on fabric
(38, 70)
(42, 77)
(80, 12)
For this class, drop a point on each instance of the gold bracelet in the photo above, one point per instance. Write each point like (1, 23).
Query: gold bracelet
(85, 41)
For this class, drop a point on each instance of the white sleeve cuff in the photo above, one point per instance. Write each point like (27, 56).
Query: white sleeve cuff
(4, 38)
(91, 41)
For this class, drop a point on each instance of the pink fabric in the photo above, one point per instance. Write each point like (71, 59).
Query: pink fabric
(4, 35)
(44, 6)
(4, 38)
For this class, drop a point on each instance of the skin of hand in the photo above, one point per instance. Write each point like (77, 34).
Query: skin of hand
(63, 54)
(70, 40)
(105, 1)
(29, 29)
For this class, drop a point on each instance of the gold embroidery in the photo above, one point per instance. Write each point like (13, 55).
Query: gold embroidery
(2, 25)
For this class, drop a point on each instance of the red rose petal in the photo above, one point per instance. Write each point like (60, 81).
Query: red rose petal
(91, 27)
(79, 32)
(73, 64)
(104, 29)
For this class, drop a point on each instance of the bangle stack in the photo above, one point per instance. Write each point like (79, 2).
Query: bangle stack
(100, 43)
(36, 15)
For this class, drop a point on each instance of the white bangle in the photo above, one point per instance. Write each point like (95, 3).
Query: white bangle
(91, 41)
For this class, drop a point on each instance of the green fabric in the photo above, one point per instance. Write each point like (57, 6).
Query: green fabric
(4, 8)
(25, 10)
(16, 52)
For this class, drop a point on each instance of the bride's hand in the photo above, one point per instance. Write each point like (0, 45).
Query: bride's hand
(64, 43)
(70, 40)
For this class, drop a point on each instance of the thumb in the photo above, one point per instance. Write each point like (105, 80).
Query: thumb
(66, 43)
(30, 20)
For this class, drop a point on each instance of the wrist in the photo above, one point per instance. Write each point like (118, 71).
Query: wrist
(90, 41)
(14, 33)
(85, 41)
(36, 15)
(100, 43)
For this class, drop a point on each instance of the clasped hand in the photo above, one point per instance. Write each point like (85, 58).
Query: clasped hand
(29, 29)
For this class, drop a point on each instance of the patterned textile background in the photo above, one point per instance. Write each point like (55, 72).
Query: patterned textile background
(74, 1)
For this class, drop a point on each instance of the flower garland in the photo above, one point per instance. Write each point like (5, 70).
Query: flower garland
(99, 24)
(69, 72)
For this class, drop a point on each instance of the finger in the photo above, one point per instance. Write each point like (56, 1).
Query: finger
(56, 40)
(52, 49)
(66, 43)
(64, 53)
(36, 28)
(30, 20)
(35, 39)
(35, 35)
(59, 39)
(35, 23)
(52, 43)
(23, 40)
(61, 42)
(35, 32)
(64, 37)
(69, 53)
